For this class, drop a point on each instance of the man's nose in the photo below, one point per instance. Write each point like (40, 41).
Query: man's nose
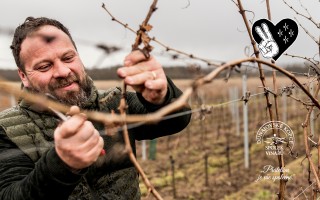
(61, 70)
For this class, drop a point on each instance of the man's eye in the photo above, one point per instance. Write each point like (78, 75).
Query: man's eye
(44, 68)
(68, 59)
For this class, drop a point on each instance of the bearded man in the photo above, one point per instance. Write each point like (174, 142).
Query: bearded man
(42, 157)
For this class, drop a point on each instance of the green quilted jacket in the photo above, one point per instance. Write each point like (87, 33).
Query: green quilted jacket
(31, 169)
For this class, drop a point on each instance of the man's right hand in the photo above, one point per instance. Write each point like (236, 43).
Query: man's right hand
(77, 142)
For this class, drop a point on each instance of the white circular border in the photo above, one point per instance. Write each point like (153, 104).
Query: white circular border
(280, 126)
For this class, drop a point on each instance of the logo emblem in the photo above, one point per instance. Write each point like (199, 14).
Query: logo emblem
(276, 136)
(274, 40)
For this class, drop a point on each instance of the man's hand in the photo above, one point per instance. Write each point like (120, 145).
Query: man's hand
(145, 76)
(77, 142)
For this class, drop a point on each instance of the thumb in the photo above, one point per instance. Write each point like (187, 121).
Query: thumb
(73, 110)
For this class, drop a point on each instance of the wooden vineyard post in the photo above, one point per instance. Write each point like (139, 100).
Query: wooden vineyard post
(188, 135)
(284, 108)
(233, 96)
(206, 169)
(312, 117)
(203, 128)
(228, 154)
(173, 177)
(219, 122)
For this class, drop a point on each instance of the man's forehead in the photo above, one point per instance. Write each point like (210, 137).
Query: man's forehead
(47, 34)
(45, 37)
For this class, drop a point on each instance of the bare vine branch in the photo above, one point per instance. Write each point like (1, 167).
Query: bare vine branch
(305, 133)
(256, 52)
(192, 56)
(282, 185)
(302, 15)
(311, 60)
(141, 37)
(308, 33)
(118, 21)
(156, 116)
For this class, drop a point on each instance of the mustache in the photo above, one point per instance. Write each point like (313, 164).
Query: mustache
(62, 82)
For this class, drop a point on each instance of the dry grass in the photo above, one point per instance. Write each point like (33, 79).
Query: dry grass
(189, 158)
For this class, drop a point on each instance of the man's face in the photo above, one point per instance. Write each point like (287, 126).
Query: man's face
(52, 65)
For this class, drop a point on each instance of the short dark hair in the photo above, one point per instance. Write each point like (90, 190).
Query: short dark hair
(29, 26)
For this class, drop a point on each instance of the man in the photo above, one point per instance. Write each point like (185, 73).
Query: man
(44, 158)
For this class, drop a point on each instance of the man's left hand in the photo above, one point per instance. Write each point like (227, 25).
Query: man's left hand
(146, 76)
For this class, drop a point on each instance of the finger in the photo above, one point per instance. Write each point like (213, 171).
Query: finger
(71, 126)
(274, 49)
(132, 70)
(260, 33)
(94, 150)
(90, 142)
(85, 155)
(268, 55)
(157, 84)
(73, 110)
(86, 131)
(139, 79)
(266, 31)
(133, 58)
(262, 48)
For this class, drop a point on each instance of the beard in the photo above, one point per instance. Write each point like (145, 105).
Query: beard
(78, 98)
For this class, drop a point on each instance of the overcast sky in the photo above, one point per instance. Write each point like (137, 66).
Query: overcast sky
(212, 29)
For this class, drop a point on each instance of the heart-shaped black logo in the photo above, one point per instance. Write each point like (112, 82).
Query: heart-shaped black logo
(274, 40)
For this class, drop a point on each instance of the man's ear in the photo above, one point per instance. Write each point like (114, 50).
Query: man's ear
(23, 78)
